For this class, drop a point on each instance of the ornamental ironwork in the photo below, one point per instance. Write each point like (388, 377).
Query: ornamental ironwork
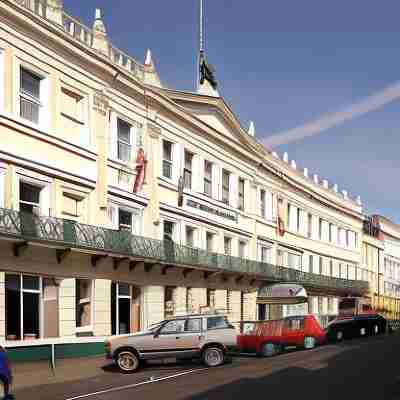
(70, 234)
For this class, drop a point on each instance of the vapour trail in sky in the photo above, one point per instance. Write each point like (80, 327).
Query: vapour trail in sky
(327, 121)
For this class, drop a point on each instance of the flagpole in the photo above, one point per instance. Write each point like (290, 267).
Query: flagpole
(201, 42)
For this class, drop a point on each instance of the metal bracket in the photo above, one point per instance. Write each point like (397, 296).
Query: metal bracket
(165, 269)
(19, 248)
(61, 254)
(117, 262)
(96, 258)
(187, 271)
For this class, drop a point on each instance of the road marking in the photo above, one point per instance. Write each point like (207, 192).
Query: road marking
(118, 388)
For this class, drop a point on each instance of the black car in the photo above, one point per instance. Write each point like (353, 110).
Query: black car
(356, 326)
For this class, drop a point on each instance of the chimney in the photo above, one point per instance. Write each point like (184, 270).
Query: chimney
(54, 11)
(100, 41)
(315, 178)
(252, 129)
(305, 172)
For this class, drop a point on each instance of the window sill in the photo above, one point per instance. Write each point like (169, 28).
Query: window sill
(84, 329)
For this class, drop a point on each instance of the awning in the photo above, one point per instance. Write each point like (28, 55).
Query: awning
(282, 293)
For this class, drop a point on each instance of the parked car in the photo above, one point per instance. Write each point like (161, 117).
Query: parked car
(206, 336)
(355, 326)
(268, 338)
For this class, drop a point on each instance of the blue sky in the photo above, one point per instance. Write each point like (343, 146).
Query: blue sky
(282, 64)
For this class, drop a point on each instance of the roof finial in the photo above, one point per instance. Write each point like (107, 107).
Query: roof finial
(148, 61)
(252, 129)
(99, 33)
(285, 157)
(150, 74)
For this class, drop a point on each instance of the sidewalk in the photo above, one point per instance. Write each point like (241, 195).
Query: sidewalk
(30, 374)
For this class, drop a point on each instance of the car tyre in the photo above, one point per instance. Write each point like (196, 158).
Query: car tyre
(127, 361)
(309, 342)
(270, 349)
(213, 356)
(338, 336)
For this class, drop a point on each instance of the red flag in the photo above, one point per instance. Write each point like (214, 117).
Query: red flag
(141, 163)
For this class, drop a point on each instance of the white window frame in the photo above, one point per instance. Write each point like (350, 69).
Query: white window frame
(190, 171)
(2, 81)
(113, 210)
(21, 294)
(213, 236)
(261, 247)
(246, 246)
(171, 162)
(196, 231)
(117, 297)
(84, 122)
(87, 328)
(44, 103)
(2, 187)
(230, 244)
(207, 179)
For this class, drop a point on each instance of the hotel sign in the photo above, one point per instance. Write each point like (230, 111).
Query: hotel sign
(220, 212)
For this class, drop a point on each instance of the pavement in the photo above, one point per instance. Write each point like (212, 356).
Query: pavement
(366, 368)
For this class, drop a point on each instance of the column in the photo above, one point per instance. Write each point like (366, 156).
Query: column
(250, 306)
(199, 298)
(100, 127)
(153, 304)
(221, 299)
(234, 305)
(152, 211)
(180, 301)
(2, 306)
(67, 315)
(101, 304)
(9, 81)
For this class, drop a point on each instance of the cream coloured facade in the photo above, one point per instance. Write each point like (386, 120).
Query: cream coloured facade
(75, 115)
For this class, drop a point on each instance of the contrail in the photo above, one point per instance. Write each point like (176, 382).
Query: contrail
(327, 121)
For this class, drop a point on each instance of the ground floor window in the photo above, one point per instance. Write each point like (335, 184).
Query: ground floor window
(23, 309)
(125, 308)
(83, 293)
(169, 301)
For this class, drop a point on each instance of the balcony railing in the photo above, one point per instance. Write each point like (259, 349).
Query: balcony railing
(85, 35)
(71, 234)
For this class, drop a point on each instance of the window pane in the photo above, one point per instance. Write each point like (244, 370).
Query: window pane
(83, 302)
(167, 150)
(217, 322)
(207, 187)
(31, 315)
(227, 246)
(29, 110)
(167, 169)
(30, 282)
(13, 282)
(124, 308)
(124, 151)
(13, 307)
(30, 83)
(187, 176)
(124, 131)
(188, 160)
(173, 327)
(124, 289)
(29, 193)
(193, 325)
(207, 169)
(209, 242)
(190, 237)
(125, 220)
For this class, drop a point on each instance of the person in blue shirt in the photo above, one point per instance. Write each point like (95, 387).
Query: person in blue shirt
(5, 373)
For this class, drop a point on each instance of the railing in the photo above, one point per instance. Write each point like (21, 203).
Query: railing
(85, 35)
(75, 235)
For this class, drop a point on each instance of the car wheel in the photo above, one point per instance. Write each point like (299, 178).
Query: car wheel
(309, 342)
(269, 349)
(213, 357)
(127, 361)
(339, 336)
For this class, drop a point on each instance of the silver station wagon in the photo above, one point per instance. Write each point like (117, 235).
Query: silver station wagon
(186, 337)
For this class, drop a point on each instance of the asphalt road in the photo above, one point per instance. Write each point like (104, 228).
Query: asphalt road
(367, 368)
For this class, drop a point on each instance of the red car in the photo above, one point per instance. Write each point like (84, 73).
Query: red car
(267, 338)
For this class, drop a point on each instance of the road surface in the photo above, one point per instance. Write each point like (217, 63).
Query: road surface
(367, 368)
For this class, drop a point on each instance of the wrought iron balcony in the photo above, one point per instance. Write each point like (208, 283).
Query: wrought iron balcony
(70, 234)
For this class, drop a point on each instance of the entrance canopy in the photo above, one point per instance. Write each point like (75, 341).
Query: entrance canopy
(282, 293)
